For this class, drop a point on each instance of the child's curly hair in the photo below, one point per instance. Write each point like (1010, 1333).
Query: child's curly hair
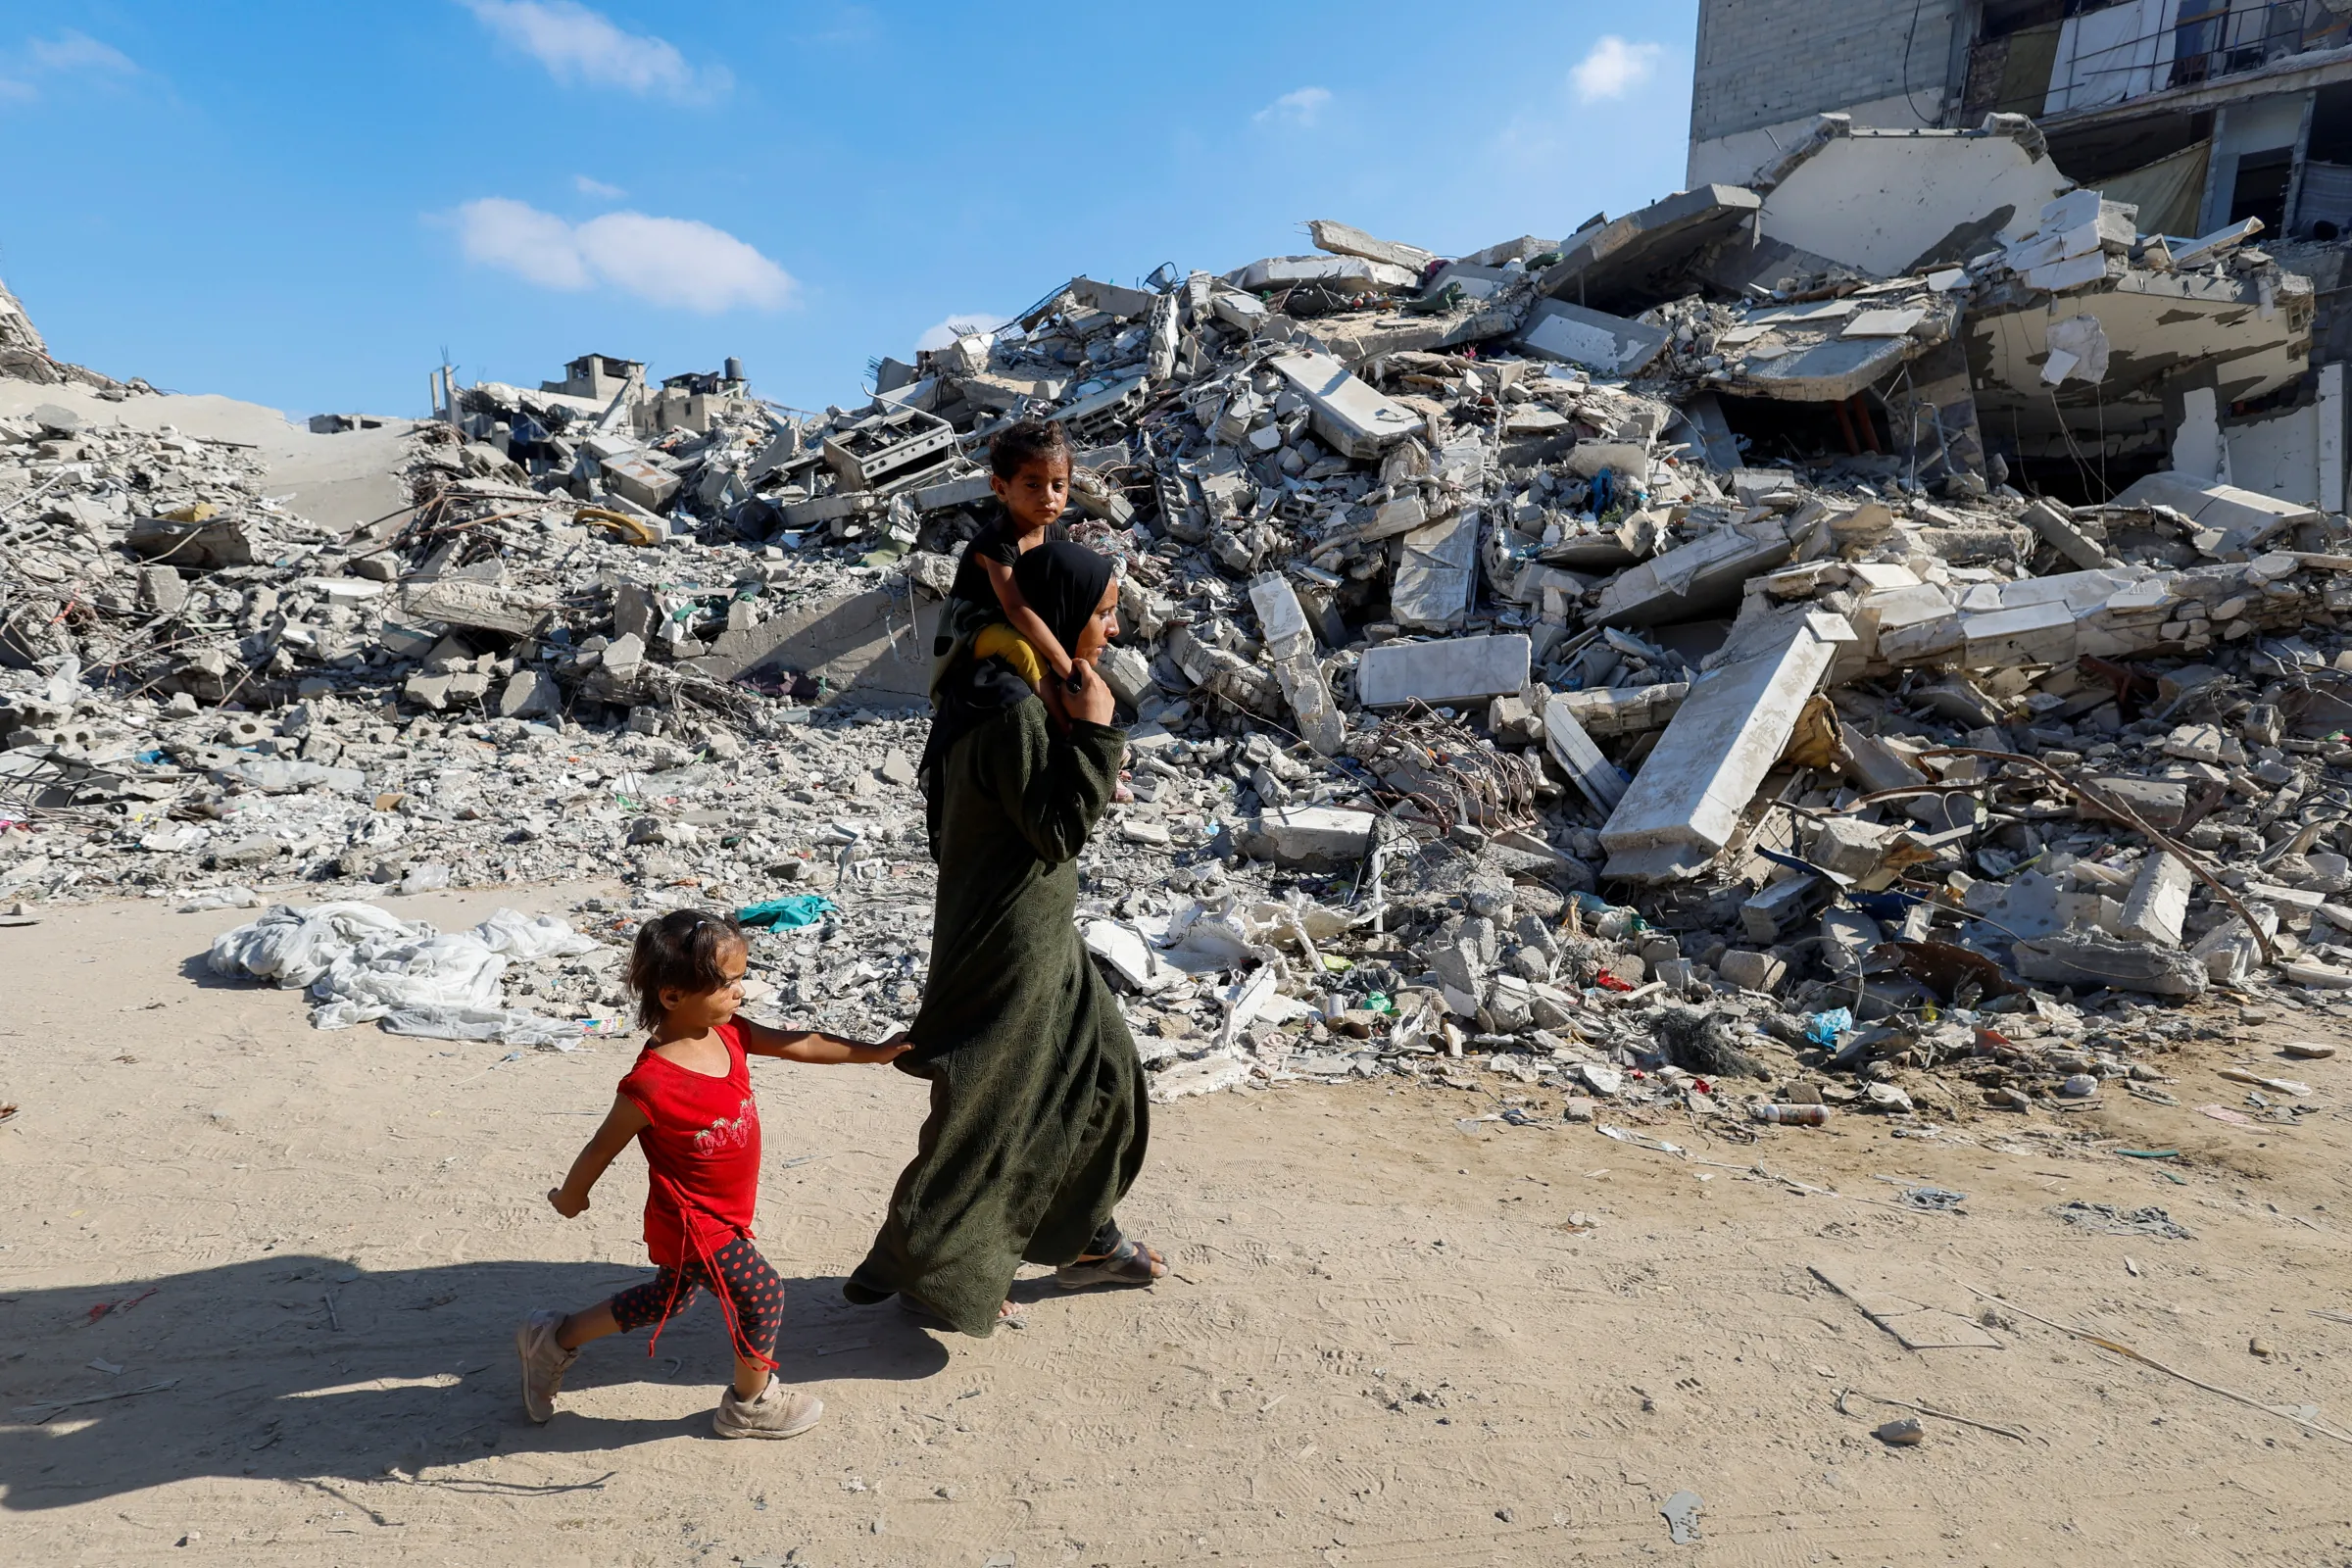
(1019, 445)
(679, 951)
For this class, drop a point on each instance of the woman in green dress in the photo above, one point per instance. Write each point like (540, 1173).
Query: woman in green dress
(1039, 1117)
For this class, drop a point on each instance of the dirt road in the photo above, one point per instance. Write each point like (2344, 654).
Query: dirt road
(1391, 1340)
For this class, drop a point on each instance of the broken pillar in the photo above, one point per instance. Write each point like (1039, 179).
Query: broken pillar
(1600, 780)
(1687, 799)
(1289, 644)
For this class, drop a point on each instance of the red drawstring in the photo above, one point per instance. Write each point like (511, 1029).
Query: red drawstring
(719, 1284)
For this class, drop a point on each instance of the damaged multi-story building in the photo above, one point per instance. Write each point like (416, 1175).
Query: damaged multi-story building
(2202, 117)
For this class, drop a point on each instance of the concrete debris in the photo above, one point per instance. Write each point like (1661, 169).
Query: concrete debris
(1879, 633)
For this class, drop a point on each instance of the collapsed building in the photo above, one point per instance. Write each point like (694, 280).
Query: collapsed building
(1818, 639)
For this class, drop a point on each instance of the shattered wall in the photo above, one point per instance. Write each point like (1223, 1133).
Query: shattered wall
(1765, 68)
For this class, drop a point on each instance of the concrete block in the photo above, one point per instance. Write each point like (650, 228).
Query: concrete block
(645, 484)
(1342, 240)
(2031, 634)
(1128, 674)
(530, 694)
(479, 606)
(1280, 615)
(1750, 970)
(1774, 911)
(1454, 670)
(1349, 415)
(2159, 901)
(1310, 835)
(1848, 848)
(1730, 731)
(162, 590)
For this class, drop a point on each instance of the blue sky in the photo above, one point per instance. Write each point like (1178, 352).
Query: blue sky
(304, 204)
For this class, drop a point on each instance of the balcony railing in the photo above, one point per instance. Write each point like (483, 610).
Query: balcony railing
(2122, 52)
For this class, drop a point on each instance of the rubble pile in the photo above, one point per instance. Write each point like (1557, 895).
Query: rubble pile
(1659, 666)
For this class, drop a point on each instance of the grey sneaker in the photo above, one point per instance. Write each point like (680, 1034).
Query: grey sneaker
(778, 1412)
(544, 1362)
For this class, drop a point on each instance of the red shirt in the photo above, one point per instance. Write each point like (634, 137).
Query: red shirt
(702, 1150)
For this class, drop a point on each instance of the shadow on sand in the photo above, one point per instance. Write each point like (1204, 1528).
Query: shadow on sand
(408, 1370)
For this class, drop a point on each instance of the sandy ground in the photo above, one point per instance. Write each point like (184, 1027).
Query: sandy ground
(1390, 1341)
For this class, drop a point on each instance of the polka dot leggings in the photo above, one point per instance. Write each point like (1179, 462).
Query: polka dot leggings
(753, 1288)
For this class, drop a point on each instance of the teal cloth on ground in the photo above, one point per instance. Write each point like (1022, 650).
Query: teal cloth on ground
(786, 914)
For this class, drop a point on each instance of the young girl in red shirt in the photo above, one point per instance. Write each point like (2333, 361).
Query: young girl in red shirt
(688, 1104)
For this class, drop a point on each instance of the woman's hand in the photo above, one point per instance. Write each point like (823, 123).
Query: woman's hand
(1092, 703)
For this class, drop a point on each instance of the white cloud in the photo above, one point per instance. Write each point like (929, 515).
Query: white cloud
(77, 51)
(68, 53)
(957, 325)
(577, 44)
(588, 186)
(516, 237)
(1301, 108)
(1614, 68)
(664, 261)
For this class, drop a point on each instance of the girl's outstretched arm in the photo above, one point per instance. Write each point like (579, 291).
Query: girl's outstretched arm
(622, 1122)
(814, 1045)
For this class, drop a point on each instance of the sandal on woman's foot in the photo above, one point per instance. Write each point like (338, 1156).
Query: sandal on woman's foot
(1007, 1316)
(1130, 1262)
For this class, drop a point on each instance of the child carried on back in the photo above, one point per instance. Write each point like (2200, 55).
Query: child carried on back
(1029, 471)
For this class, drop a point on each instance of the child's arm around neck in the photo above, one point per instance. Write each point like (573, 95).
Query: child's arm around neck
(1024, 619)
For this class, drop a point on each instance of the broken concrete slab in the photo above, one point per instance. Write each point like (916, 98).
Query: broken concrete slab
(1349, 272)
(1436, 573)
(1350, 414)
(1290, 643)
(1607, 345)
(2239, 520)
(1441, 672)
(1632, 263)
(1342, 240)
(1687, 797)
(872, 648)
(2057, 529)
(2096, 962)
(1699, 578)
(475, 606)
(1624, 709)
(1893, 203)
(2159, 900)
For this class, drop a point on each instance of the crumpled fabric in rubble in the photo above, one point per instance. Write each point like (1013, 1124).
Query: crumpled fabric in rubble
(363, 964)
